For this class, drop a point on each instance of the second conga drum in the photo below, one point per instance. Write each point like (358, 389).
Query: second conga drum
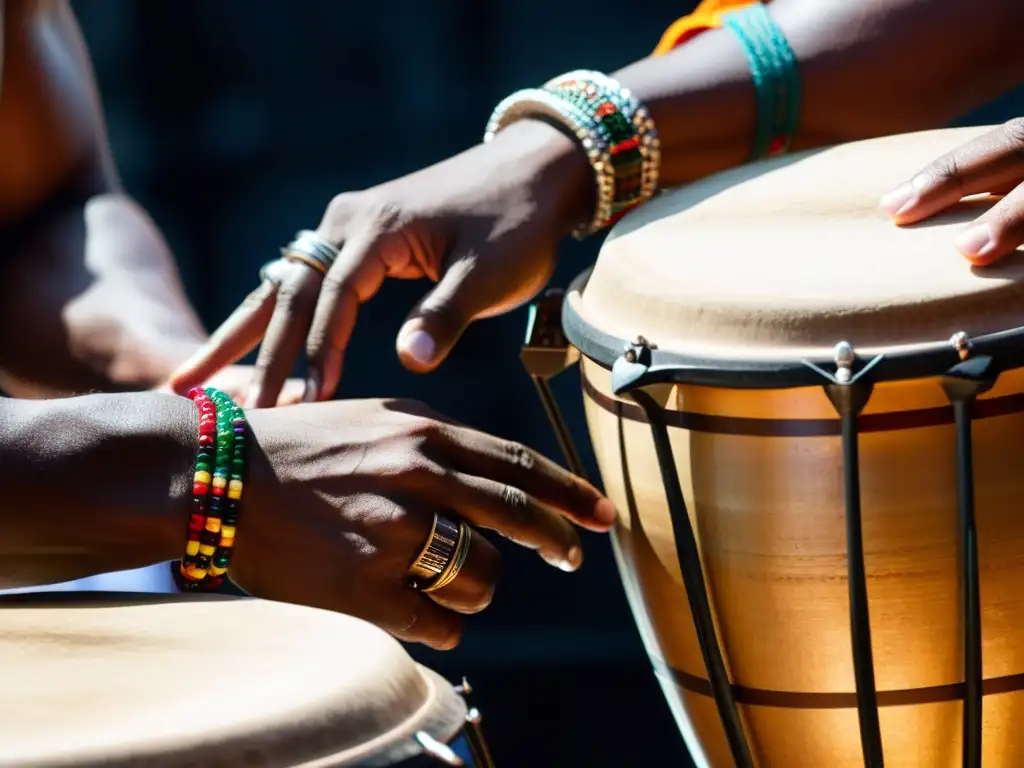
(120, 680)
(812, 422)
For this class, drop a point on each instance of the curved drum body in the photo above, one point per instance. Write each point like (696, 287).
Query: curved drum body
(118, 680)
(823, 501)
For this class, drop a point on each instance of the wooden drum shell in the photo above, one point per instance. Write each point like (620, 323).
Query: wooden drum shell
(761, 471)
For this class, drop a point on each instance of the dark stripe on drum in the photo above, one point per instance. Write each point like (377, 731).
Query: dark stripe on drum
(751, 427)
(759, 697)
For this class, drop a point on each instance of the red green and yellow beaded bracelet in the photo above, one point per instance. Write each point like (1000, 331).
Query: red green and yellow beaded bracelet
(218, 483)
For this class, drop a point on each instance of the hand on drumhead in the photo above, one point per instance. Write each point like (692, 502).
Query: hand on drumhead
(992, 163)
(482, 225)
(342, 499)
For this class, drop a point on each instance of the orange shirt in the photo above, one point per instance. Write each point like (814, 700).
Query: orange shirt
(707, 16)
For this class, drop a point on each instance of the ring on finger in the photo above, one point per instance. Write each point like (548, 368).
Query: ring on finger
(311, 250)
(443, 555)
(451, 572)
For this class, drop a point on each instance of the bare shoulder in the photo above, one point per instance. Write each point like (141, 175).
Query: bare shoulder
(49, 116)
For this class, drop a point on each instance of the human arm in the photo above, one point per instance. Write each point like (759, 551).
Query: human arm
(485, 224)
(90, 297)
(338, 501)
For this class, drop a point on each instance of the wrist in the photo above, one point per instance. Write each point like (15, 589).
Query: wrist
(559, 172)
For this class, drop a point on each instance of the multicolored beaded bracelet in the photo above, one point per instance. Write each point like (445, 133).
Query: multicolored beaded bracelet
(635, 151)
(611, 125)
(598, 86)
(592, 135)
(217, 490)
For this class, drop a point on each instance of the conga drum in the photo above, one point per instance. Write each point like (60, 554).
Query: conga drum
(119, 680)
(812, 424)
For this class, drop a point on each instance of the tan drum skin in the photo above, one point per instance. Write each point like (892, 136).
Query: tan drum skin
(781, 259)
(118, 680)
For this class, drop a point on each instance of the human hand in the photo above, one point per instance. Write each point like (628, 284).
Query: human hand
(483, 225)
(992, 163)
(341, 498)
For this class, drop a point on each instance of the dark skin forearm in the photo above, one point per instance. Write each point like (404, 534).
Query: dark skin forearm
(90, 297)
(868, 68)
(92, 484)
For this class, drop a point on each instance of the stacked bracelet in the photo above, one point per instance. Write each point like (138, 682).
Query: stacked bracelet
(216, 491)
(773, 68)
(611, 125)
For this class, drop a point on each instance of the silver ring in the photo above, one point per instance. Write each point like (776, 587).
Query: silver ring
(312, 247)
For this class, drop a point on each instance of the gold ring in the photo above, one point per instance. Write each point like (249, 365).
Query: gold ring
(309, 262)
(437, 553)
(451, 572)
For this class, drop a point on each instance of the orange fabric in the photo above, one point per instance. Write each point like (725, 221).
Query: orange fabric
(706, 16)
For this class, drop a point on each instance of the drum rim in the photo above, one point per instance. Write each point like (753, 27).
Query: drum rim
(442, 717)
(922, 361)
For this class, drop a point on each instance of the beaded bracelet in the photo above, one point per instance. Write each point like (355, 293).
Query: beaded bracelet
(590, 133)
(636, 157)
(217, 490)
(613, 128)
(776, 78)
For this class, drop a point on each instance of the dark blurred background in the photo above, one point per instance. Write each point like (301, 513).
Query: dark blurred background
(234, 122)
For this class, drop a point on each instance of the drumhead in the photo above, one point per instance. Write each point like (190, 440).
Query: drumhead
(129, 680)
(780, 260)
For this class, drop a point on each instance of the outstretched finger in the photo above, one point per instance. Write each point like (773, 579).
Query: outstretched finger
(234, 339)
(283, 340)
(992, 162)
(356, 275)
(514, 465)
(997, 232)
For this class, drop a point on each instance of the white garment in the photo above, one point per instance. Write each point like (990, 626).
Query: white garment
(150, 579)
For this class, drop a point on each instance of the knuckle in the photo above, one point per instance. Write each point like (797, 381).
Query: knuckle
(318, 343)
(297, 292)
(944, 169)
(1014, 130)
(423, 432)
(420, 470)
(254, 299)
(335, 286)
(341, 207)
(515, 503)
(518, 455)
(384, 215)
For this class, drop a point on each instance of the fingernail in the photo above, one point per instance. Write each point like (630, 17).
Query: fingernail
(976, 240)
(573, 560)
(605, 512)
(904, 196)
(897, 200)
(312, 392)
(419, 345)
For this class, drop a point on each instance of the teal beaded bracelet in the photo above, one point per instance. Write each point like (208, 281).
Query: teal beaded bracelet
(776, 78)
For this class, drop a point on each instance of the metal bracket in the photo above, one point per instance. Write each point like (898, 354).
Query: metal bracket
(633, 365)
(845, 359)
(963, 383)
(444, 754)
(546, 353)
(849, 391)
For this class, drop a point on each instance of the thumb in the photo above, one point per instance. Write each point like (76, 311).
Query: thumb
(436, 323)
